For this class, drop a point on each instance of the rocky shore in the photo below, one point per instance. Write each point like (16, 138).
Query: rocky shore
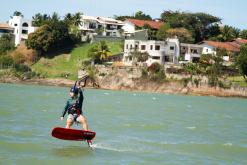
(120, 83)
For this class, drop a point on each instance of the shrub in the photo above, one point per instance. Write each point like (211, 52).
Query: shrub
(185, 81)
(6, 61)
(159, 76)
(22, 68)
(18, 58)
(154, 68)
(197, 81)
(144, 73)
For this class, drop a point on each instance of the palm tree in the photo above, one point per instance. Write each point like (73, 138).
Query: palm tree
(104, 51)
(39, 19)
(228, 33)
(55, 17)
(99, 52)
(18, 13)
(68, 18)
(77, 19)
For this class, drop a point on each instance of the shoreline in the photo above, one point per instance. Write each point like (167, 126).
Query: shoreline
(165, 88)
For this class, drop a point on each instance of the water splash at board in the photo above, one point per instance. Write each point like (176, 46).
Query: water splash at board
(96, 146)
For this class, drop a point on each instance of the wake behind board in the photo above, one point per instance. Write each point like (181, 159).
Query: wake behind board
(72, 134)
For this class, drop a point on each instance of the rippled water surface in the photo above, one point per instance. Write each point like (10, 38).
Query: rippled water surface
(132, 128)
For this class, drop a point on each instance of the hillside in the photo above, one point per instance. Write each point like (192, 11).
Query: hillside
(69, 63)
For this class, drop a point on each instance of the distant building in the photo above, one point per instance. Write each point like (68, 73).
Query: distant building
(191, 52)
(6, 29)
(100, 26)
(210, 47)
(132, 25)
(158, 51)
(22, 27)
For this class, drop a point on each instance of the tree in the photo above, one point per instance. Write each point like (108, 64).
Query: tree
(77, 19)
(142, 16)
(212, 32)
(151, 32)
(242, 61)
(228, 33)
(162, 32)
(40, 19)
(18, 13)
(68, 18)
(214, 71)
(138, 15)
(205, 62)
(243, 34)
(191, 68)
(182, 34)
(6, 43)
(55, 17)
(99, 52)
(197, 23)
(139, 56)
(51, 36)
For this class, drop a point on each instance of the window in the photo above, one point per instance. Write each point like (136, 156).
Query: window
(143, 47)
(25, 24)
(92, 25)
(194, 51)
(136, 47)
(156, 57)
(127, 46)
(171, 47)
(15, 24)
(206, 50)
(24, 31)
(167, 59)
(151, 47)
(157, 47)
(131, 47)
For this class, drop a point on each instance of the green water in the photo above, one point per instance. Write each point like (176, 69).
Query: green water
(132, 128)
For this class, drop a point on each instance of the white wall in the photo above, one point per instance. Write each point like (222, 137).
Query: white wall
(128, 27)
(155, 55)
(17, 23)
(207, 49)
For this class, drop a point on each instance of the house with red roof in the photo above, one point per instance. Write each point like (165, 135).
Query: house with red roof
(192, 52)
(131, 25)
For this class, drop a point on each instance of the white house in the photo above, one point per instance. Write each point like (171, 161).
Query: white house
(191, 52)
(93, 25)
(210, 47)
(22, 27)
(132, 25)
(5, 29)
(159, 51)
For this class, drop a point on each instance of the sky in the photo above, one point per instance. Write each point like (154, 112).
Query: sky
(232, 12)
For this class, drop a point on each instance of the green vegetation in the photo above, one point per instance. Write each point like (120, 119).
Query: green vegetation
(138, 56)
(197, 23)
(138, 15)
(18, 13)
(99, 52)
(243, 34)
(6, 44)
(68, 64)
(242, 61)
(238, 80)
(155, 72)
(50, 37)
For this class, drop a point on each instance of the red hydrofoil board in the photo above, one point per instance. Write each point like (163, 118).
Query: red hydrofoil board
(72, 134)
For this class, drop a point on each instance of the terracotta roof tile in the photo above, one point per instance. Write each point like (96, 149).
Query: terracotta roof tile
(141, 23)
(229, 46)
(5, 26)
(241, 41)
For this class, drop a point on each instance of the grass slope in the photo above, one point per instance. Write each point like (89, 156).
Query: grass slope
(69, 63)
